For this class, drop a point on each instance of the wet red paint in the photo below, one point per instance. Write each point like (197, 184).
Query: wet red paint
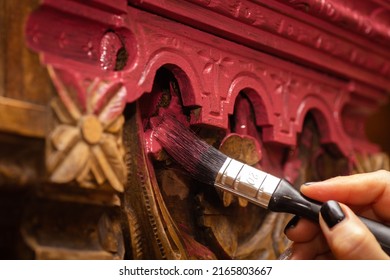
(289, 61)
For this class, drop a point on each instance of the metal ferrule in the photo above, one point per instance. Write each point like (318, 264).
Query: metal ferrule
(247, 182)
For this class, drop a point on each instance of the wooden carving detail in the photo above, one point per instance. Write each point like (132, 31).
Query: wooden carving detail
(153, 233)
(86, 143)
(259, 235)
(111, 78)
(262, 17)
(272, 24)
(53, 229)
(223, 73)
(368, 18)
(201, 61)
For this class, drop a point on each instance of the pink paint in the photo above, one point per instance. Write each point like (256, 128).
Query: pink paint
(368, 18)
(150, 108)
(290, 63)
(109, 48)
(152, 146)
(254, 69)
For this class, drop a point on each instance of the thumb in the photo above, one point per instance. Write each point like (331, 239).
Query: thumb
(347, 236)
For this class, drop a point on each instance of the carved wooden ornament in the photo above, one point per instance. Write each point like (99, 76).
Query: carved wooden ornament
(86, 143)
(259, 87)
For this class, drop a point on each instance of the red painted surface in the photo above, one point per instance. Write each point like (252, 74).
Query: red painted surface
(288, 62)
(368, 18)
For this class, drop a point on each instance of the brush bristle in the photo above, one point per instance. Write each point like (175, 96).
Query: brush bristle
(200, 159)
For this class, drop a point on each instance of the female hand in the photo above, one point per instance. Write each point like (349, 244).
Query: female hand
(340, 233)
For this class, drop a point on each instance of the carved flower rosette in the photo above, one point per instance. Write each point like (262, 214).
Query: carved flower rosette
(85, 145)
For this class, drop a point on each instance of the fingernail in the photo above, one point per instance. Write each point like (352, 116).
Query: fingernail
(292, 223)
(309, 183)
(287, 254)
(332, 213)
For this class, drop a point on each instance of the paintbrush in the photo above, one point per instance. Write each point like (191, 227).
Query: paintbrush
(210, 166)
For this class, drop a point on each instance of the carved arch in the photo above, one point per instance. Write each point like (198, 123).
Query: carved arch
(328, 123)
(258, 93)
(182, 69)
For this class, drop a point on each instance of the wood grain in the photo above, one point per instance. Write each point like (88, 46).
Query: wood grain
(21, 74)
(22, 118)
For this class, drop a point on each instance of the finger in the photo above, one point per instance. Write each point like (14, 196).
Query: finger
(347, 236)
(314, 249)
(359, 189)
(301, 230)
(349, 189)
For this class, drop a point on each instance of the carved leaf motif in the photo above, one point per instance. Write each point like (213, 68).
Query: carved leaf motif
(208, 68)
(114, 157)
(97, 172)
(64, 136)
(226, 61)
(114, 106)
(99, 96)
(63, 92)
(215, 62)
(116, 126)
(204, 54)
(242, 148)
(85, 172)
(72, 165)
(107, 169)
(86, 146)
(61, 113)
(63, 139)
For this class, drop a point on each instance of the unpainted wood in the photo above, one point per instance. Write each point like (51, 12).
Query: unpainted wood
(23, 118)
(21, 74)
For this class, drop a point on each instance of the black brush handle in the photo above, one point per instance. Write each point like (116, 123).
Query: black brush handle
(289, 200)
(380, 231)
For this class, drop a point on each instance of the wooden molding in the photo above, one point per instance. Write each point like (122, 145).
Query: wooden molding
(23, 118)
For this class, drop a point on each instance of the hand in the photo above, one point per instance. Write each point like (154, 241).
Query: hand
(340, 234)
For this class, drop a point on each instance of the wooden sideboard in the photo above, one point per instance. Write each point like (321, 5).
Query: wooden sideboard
(286, 86)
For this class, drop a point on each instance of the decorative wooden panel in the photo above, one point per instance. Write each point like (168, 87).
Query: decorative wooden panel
(285, 86)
